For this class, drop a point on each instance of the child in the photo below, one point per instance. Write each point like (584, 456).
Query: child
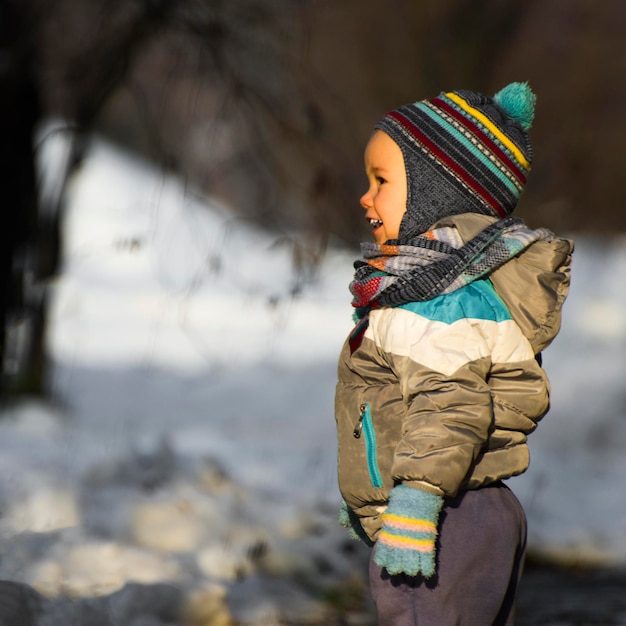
(440, 382)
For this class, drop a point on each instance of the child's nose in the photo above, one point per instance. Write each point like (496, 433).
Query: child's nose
(366, 200)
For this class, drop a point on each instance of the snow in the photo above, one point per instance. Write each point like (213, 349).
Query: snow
(192, 441)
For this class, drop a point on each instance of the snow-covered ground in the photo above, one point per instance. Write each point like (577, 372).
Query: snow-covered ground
(193, 438)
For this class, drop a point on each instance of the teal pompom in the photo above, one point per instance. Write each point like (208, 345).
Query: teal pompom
(518, 101)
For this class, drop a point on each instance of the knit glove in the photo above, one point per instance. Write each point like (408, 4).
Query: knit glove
(350, 520)
(406, 541)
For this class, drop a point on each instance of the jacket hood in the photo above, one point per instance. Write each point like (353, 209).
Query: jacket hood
(534, 284)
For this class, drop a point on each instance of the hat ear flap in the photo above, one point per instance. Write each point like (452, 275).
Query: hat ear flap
(518, 102)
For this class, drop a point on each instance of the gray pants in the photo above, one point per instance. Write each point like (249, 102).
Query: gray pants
(480, 555)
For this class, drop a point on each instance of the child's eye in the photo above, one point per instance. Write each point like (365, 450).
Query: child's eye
(380, 180)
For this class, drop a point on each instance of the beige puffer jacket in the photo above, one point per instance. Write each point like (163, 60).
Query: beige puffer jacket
(442, 394)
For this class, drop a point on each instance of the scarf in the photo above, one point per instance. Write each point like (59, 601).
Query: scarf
(434, 263)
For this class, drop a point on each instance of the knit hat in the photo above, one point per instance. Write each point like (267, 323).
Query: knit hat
(463, 153)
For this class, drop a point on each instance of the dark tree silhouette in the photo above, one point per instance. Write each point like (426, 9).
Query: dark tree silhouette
(68, 59)
(21, 239)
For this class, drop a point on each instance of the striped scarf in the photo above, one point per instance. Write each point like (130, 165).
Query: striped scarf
(434, 263)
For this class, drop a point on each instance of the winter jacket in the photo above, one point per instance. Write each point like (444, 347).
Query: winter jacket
(442, 394)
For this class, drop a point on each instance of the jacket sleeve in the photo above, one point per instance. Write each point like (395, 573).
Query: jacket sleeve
(521, 396)
(442, 354)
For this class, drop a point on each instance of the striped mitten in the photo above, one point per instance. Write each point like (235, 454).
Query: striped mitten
(406, 542)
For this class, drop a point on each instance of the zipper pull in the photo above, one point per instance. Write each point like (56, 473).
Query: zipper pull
(359, 427)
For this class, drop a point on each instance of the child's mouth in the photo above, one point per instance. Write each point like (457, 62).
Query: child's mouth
(374, 223)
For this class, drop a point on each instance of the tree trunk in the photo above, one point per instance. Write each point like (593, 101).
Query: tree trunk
(21, 305)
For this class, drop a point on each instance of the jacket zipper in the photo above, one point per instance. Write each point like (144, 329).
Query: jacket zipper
(364, 426)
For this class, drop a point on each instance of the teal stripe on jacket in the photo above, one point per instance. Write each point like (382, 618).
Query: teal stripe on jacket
(478, 300)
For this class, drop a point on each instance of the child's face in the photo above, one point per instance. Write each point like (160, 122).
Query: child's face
(385, 200)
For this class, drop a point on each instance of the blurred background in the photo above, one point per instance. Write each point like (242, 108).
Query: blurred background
(267, 105)
(250, 117)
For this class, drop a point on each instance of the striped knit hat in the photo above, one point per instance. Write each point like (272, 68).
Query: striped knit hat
(463, 153)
